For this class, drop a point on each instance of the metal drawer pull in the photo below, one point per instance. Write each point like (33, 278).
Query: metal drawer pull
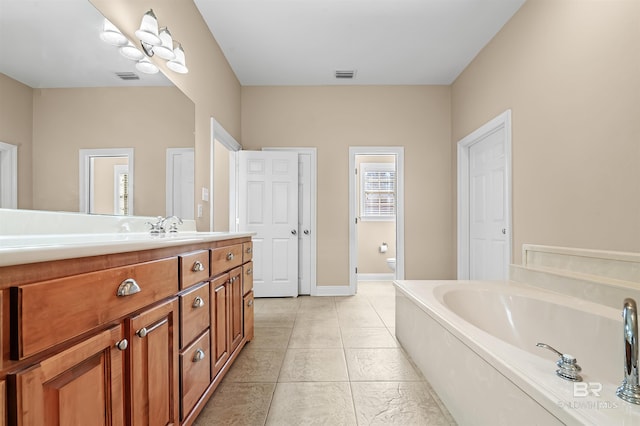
(197, 303)
(249, 271)
(197, 266)
(249, 250)
(128, 287)
(229, 256)
(250, 302)
(122, 344)
(145, 331)
(198, 356)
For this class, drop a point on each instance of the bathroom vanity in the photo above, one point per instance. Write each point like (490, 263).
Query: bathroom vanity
(135, 330)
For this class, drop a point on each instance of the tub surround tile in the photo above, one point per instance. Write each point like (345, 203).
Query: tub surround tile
(396, 403)
(242, 404)
(386, 364)
(312, 404)
(314, 365)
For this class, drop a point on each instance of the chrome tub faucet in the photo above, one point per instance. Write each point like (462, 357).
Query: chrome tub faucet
(630, 388)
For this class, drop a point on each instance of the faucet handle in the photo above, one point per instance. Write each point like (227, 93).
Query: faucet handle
(568, 367)
(155, 228)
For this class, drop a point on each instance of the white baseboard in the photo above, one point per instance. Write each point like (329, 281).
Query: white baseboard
(376, 277)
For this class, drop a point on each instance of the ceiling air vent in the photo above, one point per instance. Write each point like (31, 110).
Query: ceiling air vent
(128, 76)
(345, 74)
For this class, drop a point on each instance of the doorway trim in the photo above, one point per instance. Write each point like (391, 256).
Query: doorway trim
(398, 151)
(85, 170)
(221, 135)
(170, 177)
(502, 121)
(9, 178)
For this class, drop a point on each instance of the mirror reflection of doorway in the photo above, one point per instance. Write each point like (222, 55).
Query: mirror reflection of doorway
(106, 181)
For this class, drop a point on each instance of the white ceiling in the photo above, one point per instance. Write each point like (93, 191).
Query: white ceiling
(56, 43)
(303, 42)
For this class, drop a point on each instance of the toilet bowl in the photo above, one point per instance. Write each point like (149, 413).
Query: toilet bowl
(391, 262)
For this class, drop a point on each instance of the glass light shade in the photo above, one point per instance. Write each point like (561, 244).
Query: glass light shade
(165, 50)
(111, 34)
(148, 31)
(146, 66)
(130, 51)
(178, 64)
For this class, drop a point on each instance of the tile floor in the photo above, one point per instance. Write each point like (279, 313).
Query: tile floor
(325, 361)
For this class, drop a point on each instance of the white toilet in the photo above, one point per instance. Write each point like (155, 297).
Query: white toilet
(391, 262)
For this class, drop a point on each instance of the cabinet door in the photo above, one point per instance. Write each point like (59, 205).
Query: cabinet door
(219, 323)
(154, 396)
(248, 316)
(82, 385)
(235, 308)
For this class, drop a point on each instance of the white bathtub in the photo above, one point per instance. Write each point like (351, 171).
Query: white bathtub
(475, 342)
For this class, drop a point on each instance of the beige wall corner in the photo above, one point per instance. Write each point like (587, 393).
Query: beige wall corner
(332, 118)
(16, 118)
(570, 72)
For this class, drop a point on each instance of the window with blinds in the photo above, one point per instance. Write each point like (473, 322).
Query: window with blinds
(377, 191)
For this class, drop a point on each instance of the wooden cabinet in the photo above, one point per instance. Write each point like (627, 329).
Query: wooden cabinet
(82, 385)
(136, 338)
(153, 365)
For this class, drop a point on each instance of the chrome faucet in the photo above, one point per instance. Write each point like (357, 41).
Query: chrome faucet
(159, 227)
(568, 367)
(630, 388)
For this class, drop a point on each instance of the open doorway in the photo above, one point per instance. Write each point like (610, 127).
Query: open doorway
(376, 202)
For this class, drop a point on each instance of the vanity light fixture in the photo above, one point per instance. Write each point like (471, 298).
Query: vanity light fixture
(153, 41)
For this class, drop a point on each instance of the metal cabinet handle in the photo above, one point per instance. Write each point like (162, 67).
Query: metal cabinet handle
(306, 232)
(197, 266)
(198, 356)
(128, 287)
(250, 302)
(142, 332)
(197, 303)
(122, 344)
(294, 232)
(249, 250)
(249, 271)
(229, 256)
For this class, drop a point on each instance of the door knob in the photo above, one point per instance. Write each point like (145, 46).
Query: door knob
(306, 232)
(294, 232)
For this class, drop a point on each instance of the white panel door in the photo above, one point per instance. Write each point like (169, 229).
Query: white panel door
(180, 183)
(268, 206)
(487, 219)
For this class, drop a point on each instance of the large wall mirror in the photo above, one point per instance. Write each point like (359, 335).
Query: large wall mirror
(63, 90)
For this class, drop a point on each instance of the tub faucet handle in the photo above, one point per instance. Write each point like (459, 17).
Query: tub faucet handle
(568, 367)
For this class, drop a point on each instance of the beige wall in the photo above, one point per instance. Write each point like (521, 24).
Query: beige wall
(16, 117)
(371, 233)
(570, 72)
(334, 118)
(210, 83)
(147, 119)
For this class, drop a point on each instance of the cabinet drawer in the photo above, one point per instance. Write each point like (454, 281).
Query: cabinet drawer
(247, 252)
(195, 366)
(49, 312)
(194, 268)
(247, 277)
(194, 313)
(225, 258)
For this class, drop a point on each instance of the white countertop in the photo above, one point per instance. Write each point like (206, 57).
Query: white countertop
(16, 250)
